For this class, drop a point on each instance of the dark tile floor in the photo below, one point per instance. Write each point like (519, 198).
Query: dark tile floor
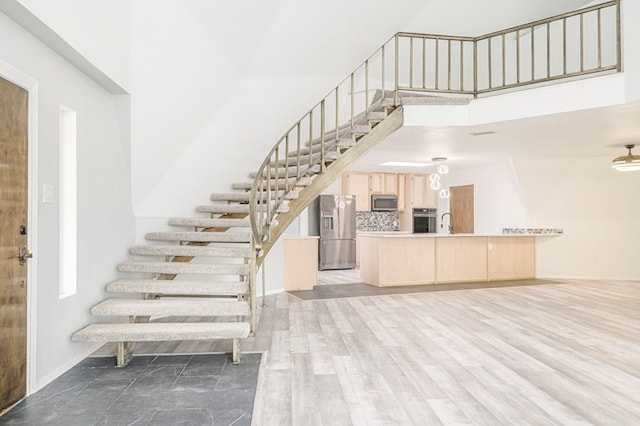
(171, 390)
(336, 291)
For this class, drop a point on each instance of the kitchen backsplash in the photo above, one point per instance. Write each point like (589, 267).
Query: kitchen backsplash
(377, 221)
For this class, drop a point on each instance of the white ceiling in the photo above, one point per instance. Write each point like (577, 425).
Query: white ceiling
(598, 132)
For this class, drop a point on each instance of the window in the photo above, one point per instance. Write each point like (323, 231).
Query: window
(68, 203)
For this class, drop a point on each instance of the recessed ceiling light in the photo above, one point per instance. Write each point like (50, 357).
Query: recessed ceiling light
(404, 164)
(488, 132)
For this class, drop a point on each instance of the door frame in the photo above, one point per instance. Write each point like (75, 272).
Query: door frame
(19, 78)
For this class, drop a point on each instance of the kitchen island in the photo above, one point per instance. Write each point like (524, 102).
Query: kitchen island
(393, 259)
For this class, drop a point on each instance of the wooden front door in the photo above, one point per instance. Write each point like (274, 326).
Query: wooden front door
(13, 242)
(461, 206)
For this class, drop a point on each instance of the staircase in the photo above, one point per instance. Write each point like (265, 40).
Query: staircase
(218, 249)
(203, 273)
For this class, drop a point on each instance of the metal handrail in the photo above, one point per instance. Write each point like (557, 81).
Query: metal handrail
(263, 209)
(543, 30)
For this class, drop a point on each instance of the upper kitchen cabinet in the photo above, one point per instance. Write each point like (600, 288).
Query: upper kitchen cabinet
(419, 194)
(357, 183)
(384, 183)
(363, 185)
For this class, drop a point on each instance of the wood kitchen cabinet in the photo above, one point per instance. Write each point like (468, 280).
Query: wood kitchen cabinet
(384, 183)
(357, 183)
(401, 192)
(421, 194)
(391, 259)
(511, 257)
(460, 259)
(362, 185)
(415, 193)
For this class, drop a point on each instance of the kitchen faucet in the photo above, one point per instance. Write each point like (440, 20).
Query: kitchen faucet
(450, 221)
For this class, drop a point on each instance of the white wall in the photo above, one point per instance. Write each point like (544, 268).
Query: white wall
(105, 216)
(497, 197)
(630, 53)
(473, 18)
(99, 30)
(597, 207)
(222, 82)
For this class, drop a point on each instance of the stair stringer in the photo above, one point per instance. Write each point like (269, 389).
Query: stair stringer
(380, 132)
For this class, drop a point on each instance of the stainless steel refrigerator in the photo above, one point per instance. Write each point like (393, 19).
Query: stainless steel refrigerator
(337, 228)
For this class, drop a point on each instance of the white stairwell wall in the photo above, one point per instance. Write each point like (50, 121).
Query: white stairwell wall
(106, 223)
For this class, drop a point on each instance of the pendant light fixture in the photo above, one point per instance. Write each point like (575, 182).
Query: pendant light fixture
(436, 182)
(627, 163)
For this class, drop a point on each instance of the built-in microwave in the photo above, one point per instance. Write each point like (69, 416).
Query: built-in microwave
(384, 203)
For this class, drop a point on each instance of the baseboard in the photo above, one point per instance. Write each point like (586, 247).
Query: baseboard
(44, 381)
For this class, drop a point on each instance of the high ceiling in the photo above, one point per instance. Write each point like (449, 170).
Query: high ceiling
(598, 132)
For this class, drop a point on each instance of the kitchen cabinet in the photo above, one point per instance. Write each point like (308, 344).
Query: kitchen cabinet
(416, 193)
(397, 261)
(362, 185)
(300, 263)
(396, 258)
(511, 258)
(421, 194)
(460, 259)
(357, 183)
(401, 192)
(384, 183)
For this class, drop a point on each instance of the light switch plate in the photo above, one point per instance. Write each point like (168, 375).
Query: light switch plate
(47, 193)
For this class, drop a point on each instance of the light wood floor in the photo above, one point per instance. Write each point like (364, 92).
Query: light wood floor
(548, 354)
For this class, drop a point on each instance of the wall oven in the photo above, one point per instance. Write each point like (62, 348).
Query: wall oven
(424, 221)
(384, 203)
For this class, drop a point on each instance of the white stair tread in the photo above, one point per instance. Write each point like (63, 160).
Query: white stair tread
(293, 169)
(244, 196)
(234, 208)
(328, 145)
(223, 208)
(184, 268)
(291, 182)
(151, 332)
(178, 307)
(207, 237)
(341, 142)
(328, 155)
(207, 222)
(346, 143)
(426, 100)
(173, 287)
(360, 129)
(193, 251)
(376, 115)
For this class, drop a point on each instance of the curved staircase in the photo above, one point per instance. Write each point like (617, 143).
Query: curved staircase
(205, 272)
(219, 248)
